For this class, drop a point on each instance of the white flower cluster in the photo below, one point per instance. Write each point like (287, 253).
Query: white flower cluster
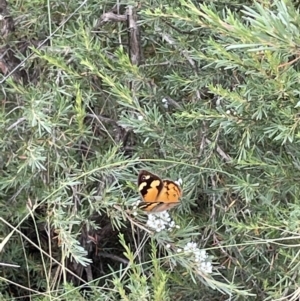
(160, 221)
(135, 207)
(165, 103)
(200, 257)
(232, 112)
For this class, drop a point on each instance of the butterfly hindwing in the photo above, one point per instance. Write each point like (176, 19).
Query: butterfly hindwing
(170, 193)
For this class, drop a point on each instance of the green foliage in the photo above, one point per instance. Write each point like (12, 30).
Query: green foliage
(214, 101)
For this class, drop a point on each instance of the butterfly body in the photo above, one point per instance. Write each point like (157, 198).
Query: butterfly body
(158, 195)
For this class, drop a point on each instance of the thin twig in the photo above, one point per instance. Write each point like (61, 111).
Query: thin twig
(134, 36)
(111, 17)
(16, 123)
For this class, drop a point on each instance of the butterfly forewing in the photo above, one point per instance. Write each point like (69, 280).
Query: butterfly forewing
(150, 186)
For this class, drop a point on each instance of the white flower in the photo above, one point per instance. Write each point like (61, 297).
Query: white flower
(140, 117)
(199, 257)
(206, 267)
(160, 221)
(190, 247)
(179, 182)
(135, 205)
(165, 103)
(172, 224)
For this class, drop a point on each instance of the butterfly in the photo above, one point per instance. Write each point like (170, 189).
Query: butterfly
(158, 195)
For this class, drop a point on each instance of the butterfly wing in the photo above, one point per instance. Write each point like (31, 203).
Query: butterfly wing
(169, 196)
(150, 186)
(157, 195)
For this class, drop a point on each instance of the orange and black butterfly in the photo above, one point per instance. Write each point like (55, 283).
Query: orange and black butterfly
(158, 195)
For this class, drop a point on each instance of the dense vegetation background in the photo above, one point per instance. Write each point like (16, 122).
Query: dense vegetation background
(94, 91)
